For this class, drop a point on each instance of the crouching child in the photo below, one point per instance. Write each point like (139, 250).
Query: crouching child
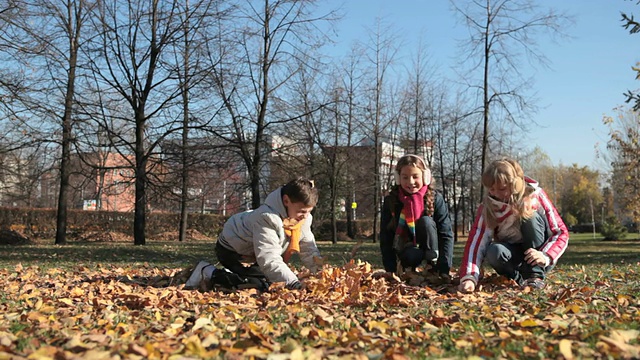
(265, 238)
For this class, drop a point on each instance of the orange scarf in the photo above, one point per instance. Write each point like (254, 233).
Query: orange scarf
(293, 231)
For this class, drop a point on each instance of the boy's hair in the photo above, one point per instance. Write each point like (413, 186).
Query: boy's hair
(301, 190)
(507, 171)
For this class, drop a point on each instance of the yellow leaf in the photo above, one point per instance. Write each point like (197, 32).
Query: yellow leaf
(574, 308)
(193, 345)
(297, 355)
(38, 305)
(305, 331)
(201, 323)
(323, 315)
(462, 343)
(7, 338)
(623, 300)
(210, 340)
(66, 301)
(529, 323)
(48, 309)
(94, 354)
(45, 352)
(377, 325)
(429, 327)
(624, 336)
(565, 349)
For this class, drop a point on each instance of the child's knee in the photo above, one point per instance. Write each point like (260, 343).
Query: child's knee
(497, 255)
(533, 230)
(426, 223)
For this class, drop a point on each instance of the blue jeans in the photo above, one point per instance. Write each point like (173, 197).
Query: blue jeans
(508, 258)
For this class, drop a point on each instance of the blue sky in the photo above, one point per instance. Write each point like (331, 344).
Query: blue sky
(588, 74)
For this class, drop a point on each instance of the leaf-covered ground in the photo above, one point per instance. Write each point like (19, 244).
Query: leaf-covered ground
(100, 310)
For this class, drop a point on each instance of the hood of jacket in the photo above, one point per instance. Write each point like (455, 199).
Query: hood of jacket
(274, 202)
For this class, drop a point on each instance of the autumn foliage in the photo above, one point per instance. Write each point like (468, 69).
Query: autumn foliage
(346, 312)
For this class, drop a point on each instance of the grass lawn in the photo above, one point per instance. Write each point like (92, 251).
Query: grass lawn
(119, 301)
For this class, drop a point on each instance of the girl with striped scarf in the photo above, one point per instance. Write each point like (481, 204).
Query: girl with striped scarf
(415, 222)
(517, 230)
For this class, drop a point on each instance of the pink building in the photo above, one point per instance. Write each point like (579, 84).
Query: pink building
(103, 181)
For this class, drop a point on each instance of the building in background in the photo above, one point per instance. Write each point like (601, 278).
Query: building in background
(360, 191)
(102, 180)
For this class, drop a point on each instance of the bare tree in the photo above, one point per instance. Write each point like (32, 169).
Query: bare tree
(503, 34)
(254, 71)
(129, 58)
(51, 32)
(196, 18)
(420, 84)
(327, 130)
(381, 51)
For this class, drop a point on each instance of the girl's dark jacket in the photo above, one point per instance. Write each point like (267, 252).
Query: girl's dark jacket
(440, 217)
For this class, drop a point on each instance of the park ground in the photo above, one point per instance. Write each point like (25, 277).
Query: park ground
(96, 300)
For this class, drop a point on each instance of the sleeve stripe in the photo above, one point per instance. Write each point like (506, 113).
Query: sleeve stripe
(557, 243)
(474, 252)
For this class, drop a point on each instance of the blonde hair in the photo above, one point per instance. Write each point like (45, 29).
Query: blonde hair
(507, 171)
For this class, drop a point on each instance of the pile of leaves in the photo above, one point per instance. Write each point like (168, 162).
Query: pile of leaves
(12, 237)
(350, 312)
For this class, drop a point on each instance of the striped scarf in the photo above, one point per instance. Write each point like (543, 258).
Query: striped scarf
(412, 208)
(508, 224)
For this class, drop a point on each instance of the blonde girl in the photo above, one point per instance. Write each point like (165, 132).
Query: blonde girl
(517, 229)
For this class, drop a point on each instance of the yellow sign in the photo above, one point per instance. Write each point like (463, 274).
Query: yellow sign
(354, 205)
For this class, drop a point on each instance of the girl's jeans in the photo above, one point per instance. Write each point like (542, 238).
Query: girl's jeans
(508, 258)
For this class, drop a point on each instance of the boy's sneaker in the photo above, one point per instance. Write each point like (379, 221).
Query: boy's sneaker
(534, 283)
(198, 275)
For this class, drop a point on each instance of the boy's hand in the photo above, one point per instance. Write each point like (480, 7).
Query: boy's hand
(534, 257)
(319, 261)
(467, 286)
(296, 285)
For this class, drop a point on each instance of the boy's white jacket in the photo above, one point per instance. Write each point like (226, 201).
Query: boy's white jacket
(258, 235)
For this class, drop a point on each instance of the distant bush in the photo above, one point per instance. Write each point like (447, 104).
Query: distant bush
(362, 228)
(585, 228)
(569, 219)
(612, 229)
(41, 223)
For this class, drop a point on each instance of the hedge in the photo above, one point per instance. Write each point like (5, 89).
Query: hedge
(39, 224)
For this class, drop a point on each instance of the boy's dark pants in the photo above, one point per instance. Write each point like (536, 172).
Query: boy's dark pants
(231, 260)
(508, 259)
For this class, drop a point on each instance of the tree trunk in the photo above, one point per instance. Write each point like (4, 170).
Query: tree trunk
(61, 217)
(184, 198)
(140, 212)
